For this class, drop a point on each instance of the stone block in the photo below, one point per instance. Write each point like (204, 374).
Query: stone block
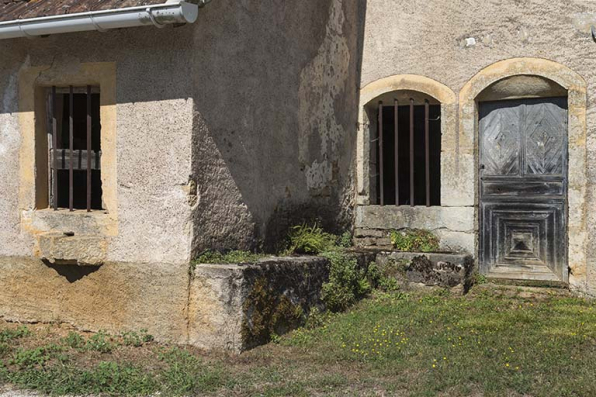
(238, 306)
(73, 250)
(431, 269)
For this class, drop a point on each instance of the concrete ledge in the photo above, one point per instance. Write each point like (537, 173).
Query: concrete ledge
(237, 307)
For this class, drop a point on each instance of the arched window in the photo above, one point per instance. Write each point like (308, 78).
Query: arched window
(405, 149)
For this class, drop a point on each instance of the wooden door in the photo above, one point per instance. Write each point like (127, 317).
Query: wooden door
(523, 189)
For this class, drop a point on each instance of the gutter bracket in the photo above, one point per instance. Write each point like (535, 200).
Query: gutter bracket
(27, 35)
(97, 27)
(153, 20)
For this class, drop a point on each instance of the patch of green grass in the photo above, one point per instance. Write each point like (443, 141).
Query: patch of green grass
(414, 240)
(136, 339)
(217, 257)
(7, 335)
(187, 375)
(495, 341)
(74, 340)
(100, 342)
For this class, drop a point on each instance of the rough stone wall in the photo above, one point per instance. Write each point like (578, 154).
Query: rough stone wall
(275, 100)
(451, 41)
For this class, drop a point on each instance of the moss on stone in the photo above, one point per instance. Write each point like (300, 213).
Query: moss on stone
(268, 313)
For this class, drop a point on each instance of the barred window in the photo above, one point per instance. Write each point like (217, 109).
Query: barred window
(74, 141)
(407, 153)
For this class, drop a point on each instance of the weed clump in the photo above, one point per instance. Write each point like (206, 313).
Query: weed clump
(100, 342)
(414, 240)
(136, 339)
(347, 282)
(310, 240)
(10, 334)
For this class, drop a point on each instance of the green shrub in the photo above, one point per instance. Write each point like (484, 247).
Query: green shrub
(414, 240)
(347, 282)
(310, 240)
(216, 257)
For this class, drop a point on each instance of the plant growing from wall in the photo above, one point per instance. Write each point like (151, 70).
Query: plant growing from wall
(414, 240)
(310, 240)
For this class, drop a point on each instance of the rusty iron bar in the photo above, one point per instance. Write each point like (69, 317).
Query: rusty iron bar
(427, 150)
(411, 152)
(396, 126)
(89, 148)
(381, 176)
(54, 180)
(71, 147)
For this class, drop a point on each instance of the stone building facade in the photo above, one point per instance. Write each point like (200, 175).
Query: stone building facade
(222, 133)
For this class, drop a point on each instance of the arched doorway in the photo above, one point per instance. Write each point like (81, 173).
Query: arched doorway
(524, 119)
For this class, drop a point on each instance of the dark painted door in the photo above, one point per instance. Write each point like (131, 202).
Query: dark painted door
(523, 188)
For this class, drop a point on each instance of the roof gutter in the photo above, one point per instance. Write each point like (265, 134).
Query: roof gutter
(172, 12)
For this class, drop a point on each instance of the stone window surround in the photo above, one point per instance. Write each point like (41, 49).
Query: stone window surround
(37, 219)
(459, 157)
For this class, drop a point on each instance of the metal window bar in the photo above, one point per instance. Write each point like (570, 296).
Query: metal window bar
(69, 159)
(412, 156)
(411, 152)
(89, 126)
(381, 164)
(71, 146)
(54, 148)
(427, 150)
(396, 148)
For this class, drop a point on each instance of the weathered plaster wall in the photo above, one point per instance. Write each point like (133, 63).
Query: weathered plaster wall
(275, 100)
(152, 137)
(144, 239)
(226, 132)
(451, 41)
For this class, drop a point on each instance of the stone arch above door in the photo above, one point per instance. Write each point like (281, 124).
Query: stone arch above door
(575, 86)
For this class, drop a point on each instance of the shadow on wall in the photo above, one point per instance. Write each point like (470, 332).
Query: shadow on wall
(276, 97)
(275, 89)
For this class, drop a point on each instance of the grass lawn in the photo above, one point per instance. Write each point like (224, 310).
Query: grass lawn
(496, 341)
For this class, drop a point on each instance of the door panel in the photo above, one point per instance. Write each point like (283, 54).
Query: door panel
(523, 188)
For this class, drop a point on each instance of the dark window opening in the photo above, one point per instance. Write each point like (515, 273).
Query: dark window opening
(395, 185)
(75, 148)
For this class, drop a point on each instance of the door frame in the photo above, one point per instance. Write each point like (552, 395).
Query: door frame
(468, 150)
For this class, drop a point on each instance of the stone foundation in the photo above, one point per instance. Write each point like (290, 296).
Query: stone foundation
(223, 307)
